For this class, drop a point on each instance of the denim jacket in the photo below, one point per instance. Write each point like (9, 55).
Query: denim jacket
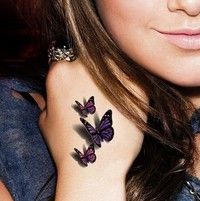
(184, 194)
(26, 166)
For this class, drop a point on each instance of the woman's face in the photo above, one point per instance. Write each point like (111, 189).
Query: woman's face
(139, 27)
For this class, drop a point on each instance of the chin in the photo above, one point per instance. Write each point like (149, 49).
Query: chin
(185, 81)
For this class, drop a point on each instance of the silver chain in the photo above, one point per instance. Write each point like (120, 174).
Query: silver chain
(192, 190)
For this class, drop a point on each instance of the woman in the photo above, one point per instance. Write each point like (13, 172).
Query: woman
(139, 61)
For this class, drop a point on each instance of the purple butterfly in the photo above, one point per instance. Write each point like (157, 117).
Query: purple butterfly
(87, 156)
(104, 131)
(88, 108)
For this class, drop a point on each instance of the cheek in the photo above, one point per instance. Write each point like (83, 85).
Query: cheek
(130, 23)
(118, 14)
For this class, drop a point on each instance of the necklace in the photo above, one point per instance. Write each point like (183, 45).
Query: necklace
(192, 190)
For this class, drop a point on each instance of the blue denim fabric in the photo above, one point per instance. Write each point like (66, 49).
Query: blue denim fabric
(195, 121)
(185, 195)
(26, 165)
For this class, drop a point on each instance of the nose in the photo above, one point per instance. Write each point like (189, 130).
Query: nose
(191, 7)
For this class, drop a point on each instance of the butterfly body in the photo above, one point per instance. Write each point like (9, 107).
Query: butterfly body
(104, 132)
(88, 156)
(88, 107)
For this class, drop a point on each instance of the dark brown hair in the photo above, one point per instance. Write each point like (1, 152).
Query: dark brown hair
(20, 54)
(160, 169)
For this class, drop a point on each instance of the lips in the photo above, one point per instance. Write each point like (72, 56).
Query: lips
(188, 39)
(185, 31)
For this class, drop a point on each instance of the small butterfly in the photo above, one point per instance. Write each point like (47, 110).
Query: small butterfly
(88, 108)
(104, 131)
(87, 156)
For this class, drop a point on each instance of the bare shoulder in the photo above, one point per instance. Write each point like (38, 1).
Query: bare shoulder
(72, 81)
(104, 140)
(64, 71)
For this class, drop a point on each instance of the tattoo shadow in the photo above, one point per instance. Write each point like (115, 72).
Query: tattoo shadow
(83, 133)
(96, 120)
(75, 156)
(77, 109)
(80, 129)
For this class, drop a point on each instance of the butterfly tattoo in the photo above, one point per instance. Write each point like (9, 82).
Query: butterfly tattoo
(88, 107)
(88, 155)
(103, 132)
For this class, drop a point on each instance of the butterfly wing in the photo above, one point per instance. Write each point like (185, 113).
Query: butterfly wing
(81, 108)
(89, 106)
(107, 134)
(82, 157)
(105, 128)
(92, 131)
(90, 154)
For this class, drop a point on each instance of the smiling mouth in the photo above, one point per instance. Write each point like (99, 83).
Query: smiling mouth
(185, 39)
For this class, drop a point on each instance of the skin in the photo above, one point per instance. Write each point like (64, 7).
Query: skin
(107, 175)
(130, 24)
(133, 25)
(141, 23)
(143, 44)
(4, 192)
